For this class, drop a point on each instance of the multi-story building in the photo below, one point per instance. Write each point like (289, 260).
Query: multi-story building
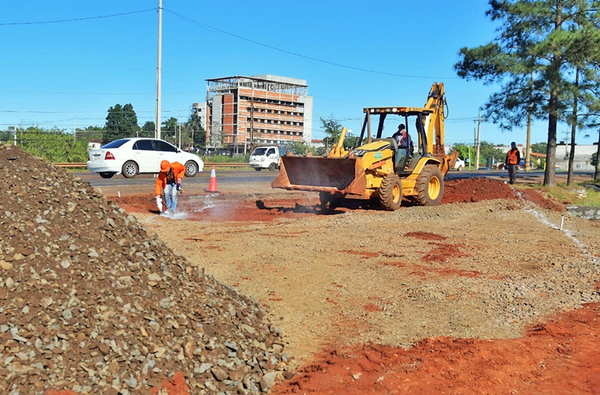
(266, 109)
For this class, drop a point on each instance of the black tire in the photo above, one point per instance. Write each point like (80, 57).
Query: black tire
(390, 192)
(130, 169)
(257, 169)
(191, 168)
(106, 174)
(272, 167)
(430, 186)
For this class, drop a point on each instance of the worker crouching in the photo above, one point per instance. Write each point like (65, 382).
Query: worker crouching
(169, 181)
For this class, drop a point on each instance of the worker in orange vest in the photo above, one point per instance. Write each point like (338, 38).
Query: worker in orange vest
(513, 157)
(169, 179)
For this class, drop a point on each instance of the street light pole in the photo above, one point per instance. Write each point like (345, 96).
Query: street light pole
(158, 72)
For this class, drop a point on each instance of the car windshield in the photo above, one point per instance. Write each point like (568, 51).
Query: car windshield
(116, 143)
(259, 151)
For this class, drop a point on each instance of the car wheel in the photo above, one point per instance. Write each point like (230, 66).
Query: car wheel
(257, 169)
(130, 169)
(272, 167)
(106, 174)
(191, 169)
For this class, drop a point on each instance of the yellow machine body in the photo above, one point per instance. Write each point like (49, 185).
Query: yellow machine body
(372, 169)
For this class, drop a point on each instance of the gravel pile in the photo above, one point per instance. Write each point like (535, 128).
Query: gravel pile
(90, 302)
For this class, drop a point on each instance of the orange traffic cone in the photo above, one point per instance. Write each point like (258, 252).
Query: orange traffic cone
(212, 186)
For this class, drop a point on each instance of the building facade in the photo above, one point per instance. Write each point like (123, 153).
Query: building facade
(241, 112)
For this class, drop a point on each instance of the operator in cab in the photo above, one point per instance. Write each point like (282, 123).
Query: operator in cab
(405, 144)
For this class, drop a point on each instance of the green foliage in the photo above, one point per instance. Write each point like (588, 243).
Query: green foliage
(539, 46)
(463, 150)
(121, 122)
(52, 145)
(6, 136)
(301, 148)
(170, 124)
(539, 148)
(594, 158)
(351, 142)
(148, 130)
(332, 129)
(90, 133)
(198, 134)
(489, 150)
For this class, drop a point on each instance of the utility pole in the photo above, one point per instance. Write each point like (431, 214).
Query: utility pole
(479, 120)
(179, 134)
(158, 71)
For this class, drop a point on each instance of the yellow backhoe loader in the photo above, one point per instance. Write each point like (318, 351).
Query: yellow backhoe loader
(378, 169)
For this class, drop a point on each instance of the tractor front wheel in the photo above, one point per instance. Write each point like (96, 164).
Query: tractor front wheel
(430, 186)
(390, 192)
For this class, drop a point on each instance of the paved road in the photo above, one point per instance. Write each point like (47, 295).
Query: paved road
(147, 181)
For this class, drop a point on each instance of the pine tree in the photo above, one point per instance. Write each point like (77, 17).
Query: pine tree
(539, 45)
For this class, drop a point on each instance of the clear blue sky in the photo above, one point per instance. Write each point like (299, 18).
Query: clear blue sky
(70, 70)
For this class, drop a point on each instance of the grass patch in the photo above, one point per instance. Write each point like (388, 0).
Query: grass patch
(581, 193)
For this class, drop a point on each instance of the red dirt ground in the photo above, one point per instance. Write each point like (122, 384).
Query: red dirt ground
(559, 357)
(455, 191)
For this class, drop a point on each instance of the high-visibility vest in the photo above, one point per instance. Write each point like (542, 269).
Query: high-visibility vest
(512, 157)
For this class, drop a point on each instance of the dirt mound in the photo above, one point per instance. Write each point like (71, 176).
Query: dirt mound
(556, 357)
(470, 190)
(90, 302)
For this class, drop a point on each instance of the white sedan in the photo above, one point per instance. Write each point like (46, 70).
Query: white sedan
(133, 156)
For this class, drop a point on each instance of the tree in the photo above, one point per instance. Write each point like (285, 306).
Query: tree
(489, 150)
(463, 150)
(121, 122)
(148, 130)
(539, 148)
(194, 125)
(538, 40)
(53, 145)
(332, 129)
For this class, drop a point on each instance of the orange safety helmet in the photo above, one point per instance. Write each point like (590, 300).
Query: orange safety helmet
(164, 166)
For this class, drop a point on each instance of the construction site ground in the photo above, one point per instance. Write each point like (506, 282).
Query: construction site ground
(494, 291)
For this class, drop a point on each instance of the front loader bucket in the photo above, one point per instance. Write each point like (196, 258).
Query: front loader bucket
(313, 173)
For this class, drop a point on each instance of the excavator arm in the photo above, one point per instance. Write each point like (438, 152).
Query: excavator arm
(436, 103)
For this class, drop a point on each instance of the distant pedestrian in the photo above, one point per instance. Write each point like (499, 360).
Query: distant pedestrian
(513, 157)
(169, 180)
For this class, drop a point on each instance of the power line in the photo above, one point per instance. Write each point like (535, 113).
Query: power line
(76, 19)
(208, 27)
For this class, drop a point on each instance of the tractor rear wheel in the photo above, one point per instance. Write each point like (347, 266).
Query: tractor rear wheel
(390, 192)
(430, 186)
